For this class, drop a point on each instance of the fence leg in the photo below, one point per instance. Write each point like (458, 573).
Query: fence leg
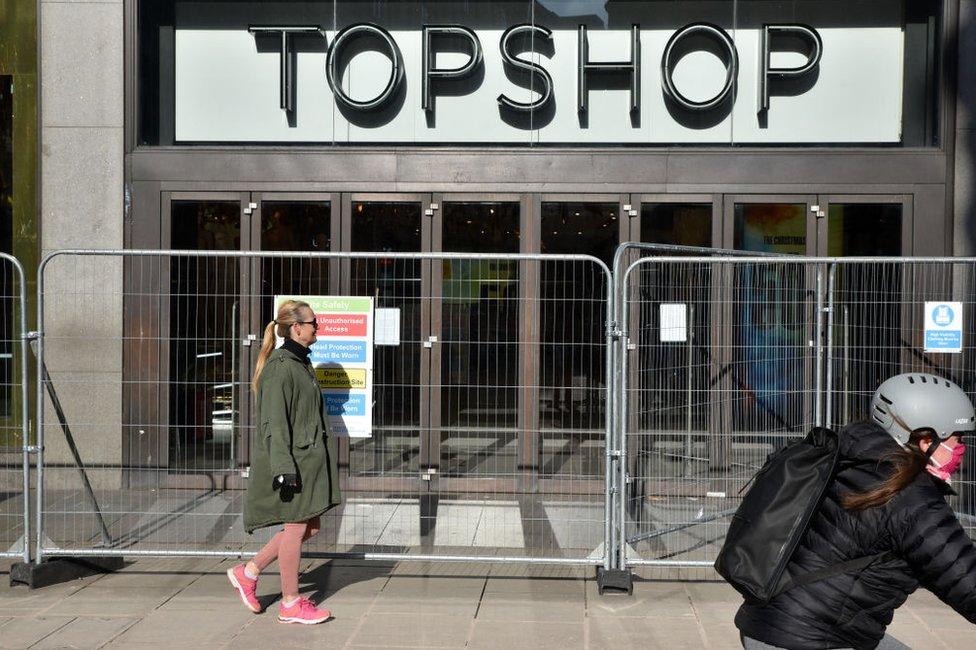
(62, 569)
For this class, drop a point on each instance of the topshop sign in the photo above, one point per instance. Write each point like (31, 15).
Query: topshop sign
(443, 83)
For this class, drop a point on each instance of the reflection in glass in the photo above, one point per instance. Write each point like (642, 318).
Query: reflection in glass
(868, 316)
(7, 282)
(203, 314)
(686, 224)
(394, 448)
(770, 320)
(573, 317)
(479, 335)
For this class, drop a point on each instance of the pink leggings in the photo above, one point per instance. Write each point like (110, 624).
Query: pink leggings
(286, 546)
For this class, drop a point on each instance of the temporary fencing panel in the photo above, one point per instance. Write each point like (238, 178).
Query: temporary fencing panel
(14, 431)
(878, 310)
(524, 408)
(720, 365)
(489, 403)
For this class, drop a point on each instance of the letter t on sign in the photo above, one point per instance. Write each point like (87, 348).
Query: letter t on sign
(287, 65)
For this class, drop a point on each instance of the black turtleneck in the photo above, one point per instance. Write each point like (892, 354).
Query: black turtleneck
(297, 349)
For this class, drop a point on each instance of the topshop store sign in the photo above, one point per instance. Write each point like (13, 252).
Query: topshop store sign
(777, 83)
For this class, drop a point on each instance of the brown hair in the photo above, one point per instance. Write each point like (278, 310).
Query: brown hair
(289, 313)
(907, 463)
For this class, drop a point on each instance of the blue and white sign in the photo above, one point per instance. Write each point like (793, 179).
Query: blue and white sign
(943, 327)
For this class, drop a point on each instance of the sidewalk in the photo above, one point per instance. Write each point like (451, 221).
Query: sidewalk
(183, 603)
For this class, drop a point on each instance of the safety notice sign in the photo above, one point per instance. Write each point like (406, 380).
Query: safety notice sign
(343, 360)
(943, 327)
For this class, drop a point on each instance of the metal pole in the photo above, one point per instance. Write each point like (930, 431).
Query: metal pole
(233, 385)
(623, 422)
(831, 279)
(688, 390)
(24, 403)
(846, 397)
(609, 421)
(38, 554)
(818, 370)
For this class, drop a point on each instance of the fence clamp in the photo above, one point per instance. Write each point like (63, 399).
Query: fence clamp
(615, 332)
(33, 449)
(30, 336)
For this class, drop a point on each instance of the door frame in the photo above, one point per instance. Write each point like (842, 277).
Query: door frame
(402, 484)
(204, 478)
(432, 460)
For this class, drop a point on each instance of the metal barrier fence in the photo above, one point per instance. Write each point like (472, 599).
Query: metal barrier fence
(490, 413)
(14, 441)
(533, 408)
(877, 311)
(723, 360)
(720, 360)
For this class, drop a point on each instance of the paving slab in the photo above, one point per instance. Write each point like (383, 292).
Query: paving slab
(412, 631)
(513, 634)
(186, 628)
(182, 602)
(87, 632)
(25, 632)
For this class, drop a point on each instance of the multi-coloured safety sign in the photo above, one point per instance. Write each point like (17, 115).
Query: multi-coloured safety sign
(343, 360)
(943, 327)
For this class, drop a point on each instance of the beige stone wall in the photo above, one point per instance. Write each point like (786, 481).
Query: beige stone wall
(82, 189)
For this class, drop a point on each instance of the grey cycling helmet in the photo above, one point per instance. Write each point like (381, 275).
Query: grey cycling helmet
(914, 400)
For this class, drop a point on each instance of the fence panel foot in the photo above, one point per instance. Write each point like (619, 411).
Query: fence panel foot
(614, 580)
(62, 569)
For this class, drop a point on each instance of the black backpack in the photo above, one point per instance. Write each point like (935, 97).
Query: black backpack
(774, 516)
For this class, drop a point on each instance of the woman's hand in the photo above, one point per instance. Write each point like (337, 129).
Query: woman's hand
(286, 480)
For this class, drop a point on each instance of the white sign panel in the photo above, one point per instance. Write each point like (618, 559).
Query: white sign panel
(228, 84)
(674, 322)
(343, 360)
(943, 327)
(387, 326)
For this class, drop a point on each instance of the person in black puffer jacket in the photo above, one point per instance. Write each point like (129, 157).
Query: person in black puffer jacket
(888, 498)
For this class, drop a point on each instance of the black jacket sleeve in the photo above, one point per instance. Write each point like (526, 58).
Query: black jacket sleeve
(933, 542)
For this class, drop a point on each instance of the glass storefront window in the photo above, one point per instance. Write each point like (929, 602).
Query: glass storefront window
(480, 341)
(203, 310)
(868, 338)
(572, 372)
(382, 226)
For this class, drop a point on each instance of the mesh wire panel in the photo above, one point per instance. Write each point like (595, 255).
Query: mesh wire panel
(878, 330)
(489, 409)
(12, 477)
(721, 371)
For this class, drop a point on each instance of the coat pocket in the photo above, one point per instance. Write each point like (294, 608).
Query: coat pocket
(306, 438)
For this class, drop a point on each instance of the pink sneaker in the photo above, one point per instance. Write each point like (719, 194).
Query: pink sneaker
(303, 612)
(245, 587)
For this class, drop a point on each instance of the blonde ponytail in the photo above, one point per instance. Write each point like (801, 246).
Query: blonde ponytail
(288, 315)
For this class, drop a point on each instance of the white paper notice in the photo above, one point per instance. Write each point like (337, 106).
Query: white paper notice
(674, 322)
(387, 326)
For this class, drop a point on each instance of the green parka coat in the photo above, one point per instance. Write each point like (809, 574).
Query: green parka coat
(293, 438)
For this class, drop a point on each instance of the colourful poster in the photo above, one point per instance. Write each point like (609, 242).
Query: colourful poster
(343, 360)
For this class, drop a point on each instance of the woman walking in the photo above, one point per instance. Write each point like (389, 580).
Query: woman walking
(887, 499)
(294, 477)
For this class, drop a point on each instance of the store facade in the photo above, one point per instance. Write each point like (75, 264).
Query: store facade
(817, 128)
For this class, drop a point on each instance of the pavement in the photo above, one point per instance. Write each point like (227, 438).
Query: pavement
(187, 602)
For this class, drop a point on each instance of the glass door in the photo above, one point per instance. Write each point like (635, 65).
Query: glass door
(874, 328)
(395, 455)
(201, 324)
(475, 366)
(571, 355)
(302, 222)
(765, 325)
